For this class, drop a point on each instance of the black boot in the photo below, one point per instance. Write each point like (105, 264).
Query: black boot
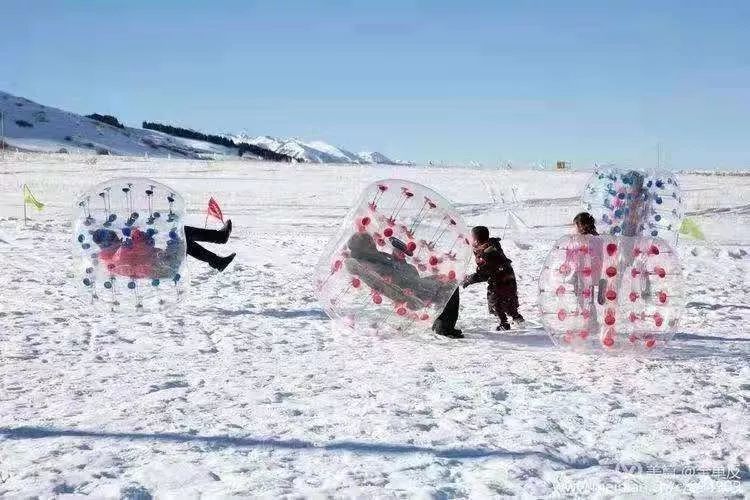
(451, 334)
(503, 326)
(222, 262)
(198, 252)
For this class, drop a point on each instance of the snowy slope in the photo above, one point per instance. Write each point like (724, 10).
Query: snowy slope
(249, 392)
(311, 151)
(52, 130)
(375, 157)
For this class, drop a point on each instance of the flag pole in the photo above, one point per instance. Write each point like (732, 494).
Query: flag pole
(205, 224)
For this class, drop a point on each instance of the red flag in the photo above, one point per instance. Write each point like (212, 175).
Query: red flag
(214, 210)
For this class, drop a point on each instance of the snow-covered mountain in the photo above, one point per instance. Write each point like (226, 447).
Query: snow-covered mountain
(375, 157)
(29, 126)
(312, 151)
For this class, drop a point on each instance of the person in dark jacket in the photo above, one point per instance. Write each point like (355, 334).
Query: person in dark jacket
(393, 276)
(495, 268)
(157, 261)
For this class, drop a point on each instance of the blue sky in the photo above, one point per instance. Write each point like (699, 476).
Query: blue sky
(525, 81)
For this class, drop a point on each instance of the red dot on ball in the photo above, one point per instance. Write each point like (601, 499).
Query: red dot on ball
(388, 232)
(433, 260)
(650, 343)
(633, 296)
(611, 248)
(365, 221)
(401, 311)
(411, 246)
(608, 341)
(654, 250)
(377, 299)
(424, 317)
(611, 294)
(451, 275)
(356, 283)
(611, 271)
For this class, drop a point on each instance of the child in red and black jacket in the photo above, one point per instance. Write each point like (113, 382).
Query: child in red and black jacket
(495, 268)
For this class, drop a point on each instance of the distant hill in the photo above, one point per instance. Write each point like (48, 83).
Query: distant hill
(30, 126)
(312, 151)
(33, 127)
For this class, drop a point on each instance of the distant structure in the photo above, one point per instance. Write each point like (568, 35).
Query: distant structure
(562, 166)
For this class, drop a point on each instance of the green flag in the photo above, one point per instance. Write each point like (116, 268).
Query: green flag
(28, 197)
(690, 229)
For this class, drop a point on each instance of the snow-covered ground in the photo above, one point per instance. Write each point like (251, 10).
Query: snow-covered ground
(250, 391)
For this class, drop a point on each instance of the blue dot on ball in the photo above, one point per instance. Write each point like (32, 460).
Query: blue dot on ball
(112, 217)
(86, 281)
(155, 282)
(177, 277)
(126, 231)
(648, 184)
(616, 229)
(157, 215)
(81, 238)
(131, 285)
(151, 231)
(657, 217)
(89, 270)
(173, 234)
(85, 246)
(659, 184)
(107, 285)
(618, 213)
(658, 200)
(654, 233)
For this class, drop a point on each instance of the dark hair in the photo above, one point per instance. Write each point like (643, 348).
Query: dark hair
(586, 221)
(480, 233)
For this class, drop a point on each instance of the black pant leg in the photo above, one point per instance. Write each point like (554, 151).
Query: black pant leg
(198, 252)
(199, 234)
(446, 321)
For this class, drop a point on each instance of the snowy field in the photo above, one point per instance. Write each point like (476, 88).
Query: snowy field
(250, 391)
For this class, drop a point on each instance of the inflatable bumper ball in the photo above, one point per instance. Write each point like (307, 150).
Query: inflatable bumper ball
(632, 203)
(129, 245)
(397, 259)
(617, 293)
(624, 289)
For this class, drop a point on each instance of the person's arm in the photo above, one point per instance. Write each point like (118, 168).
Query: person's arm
(477, 277)
(493, 263)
